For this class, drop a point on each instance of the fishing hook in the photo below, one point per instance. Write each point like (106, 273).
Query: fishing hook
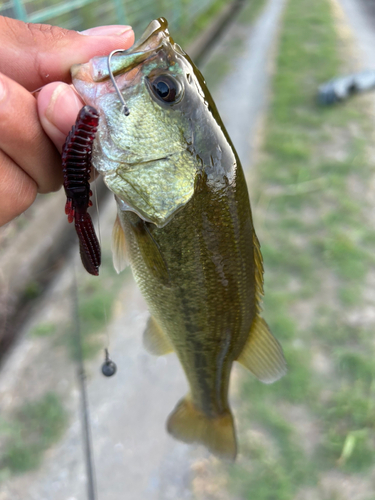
(125, 109)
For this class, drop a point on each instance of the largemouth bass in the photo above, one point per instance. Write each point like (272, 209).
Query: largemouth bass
(184, 223)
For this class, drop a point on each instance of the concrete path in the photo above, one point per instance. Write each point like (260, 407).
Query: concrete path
(360, 17)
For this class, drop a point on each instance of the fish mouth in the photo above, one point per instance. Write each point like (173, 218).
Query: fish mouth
(152, 40)
(156, 29)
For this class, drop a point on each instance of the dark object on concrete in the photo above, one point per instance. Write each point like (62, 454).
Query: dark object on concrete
(109, 368)
(339, 89)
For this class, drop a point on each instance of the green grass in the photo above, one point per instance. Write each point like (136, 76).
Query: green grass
(43, 330)
(95, 301)
(317, 245)
(251, 11)
(350, 425)
(32, 290)
(35, 427)
(272, 473)
(201, 22)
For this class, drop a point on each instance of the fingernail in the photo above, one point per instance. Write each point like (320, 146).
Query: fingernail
(114, 30)
(68, 104)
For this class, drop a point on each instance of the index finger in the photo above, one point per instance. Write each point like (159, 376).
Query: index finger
(36, 54)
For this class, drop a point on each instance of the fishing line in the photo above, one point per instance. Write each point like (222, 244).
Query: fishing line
(109, 368)
(100, 242)
(85, 415)
(4, 293)
(106, 323)
(97, 205)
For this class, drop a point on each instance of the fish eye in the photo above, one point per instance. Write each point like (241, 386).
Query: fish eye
(166, 88)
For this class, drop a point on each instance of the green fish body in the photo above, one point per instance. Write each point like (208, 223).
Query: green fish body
(184, 223)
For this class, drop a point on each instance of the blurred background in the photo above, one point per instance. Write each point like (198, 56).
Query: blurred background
(311, 177)
(81, 14)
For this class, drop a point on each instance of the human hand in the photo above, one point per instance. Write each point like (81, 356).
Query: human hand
(31, 56)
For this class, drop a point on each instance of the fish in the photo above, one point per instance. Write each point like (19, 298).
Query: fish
(184, 224)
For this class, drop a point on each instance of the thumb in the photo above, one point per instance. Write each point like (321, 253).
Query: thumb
(35, 54)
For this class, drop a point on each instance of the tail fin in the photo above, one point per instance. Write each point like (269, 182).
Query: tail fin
(190, 425)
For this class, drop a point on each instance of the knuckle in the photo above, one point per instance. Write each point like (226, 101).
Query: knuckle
(24, 194)
(10, 25)
(27, 200)
(17, 189)
(46, 32)
(27, 191)
(45, 35)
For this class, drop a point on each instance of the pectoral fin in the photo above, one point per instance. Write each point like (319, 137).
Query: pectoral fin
(151, 253)
(154, 339)
(190, 425)
(119, 252)
(262, 354)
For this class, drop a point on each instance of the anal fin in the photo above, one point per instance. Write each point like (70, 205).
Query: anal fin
(154, 339)
(262, 354)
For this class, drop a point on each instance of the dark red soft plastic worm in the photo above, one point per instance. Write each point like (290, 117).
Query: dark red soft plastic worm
(76, 163)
